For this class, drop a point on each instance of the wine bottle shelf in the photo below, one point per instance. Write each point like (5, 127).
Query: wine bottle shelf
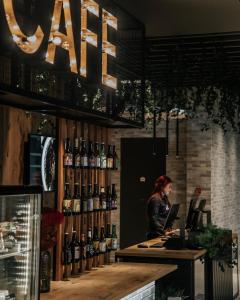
(87, 196)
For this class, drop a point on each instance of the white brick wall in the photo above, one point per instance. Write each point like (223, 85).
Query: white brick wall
(145, 293)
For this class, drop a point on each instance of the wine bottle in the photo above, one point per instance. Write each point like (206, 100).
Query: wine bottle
(84, 199)
(115, 159)
(84, 155)
(91, 157)
(67, 201)
(108, 238)
(77, 157)
(108, 198)
(96, 241)
(83, 247)
(97, 156)
(68, 155)
(90, 248)
(114, 204)
(67, 251)
(76, 200)
(90, 199)
(109, 158)
(102, 242)
(103, 157)
(96, 198)
(75, 248)
(114, 238)
(103, 202)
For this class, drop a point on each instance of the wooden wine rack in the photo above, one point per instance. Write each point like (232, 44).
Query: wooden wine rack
(80, 223)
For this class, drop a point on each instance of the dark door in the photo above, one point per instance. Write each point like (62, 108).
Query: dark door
(139, 170)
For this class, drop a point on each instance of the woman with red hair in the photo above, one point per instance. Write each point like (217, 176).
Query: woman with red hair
(158, 206)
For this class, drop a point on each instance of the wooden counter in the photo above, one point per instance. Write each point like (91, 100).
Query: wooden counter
(109, 283)
(185, 254)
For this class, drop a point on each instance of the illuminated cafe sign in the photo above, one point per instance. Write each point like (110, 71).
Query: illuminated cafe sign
(31, 44)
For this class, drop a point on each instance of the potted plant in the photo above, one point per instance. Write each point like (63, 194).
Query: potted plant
(218, 243)
(51, 219)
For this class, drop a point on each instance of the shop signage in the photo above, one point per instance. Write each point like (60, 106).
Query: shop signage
(31, 44)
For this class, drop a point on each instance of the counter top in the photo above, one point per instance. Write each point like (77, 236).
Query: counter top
(112, 282)
(185, 254)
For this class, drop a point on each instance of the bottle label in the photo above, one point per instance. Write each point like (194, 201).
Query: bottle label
(69, 257)
(67, 204)
(110, 163)
(85, 206)
(68, 160)
(91, 162)
(102, 247)
(109, 243)
(114, 243)
(98, 162)
(84, 161)
(76, 206)
(96, 203)
(96, 246)
(84, 252)
(90, 204)
(90, 250)
(77, 253)
(77, 161)
(104, 205)
(103, 162)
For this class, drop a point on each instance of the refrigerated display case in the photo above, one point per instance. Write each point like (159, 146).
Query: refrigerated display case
(20, 217)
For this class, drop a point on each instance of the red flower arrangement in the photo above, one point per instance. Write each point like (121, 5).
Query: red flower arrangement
(51, 219)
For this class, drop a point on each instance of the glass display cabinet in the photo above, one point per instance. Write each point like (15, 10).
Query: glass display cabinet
(20, 211)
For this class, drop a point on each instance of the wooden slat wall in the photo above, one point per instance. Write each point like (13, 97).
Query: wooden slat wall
(90, 132)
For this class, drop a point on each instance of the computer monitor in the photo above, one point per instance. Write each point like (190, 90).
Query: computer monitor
(172, 216)
(195, 213)
(191, 212)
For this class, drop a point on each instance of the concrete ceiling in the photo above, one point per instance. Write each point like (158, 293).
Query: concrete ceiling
(174, 17)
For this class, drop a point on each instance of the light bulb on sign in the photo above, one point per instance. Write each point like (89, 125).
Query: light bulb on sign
(32, 39)
(57, 40)
(16, 38)
(65, 4)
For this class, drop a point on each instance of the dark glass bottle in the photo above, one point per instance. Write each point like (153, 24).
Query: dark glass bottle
(84, 199)
(76, 200)
(115, 159)
(108, 198)
(90, 199)
(103, 202)
(68, 155)
(102, 242)
(75, 248)
(83, 247)
(77, 157)
(109, 158)
(97, 156)
(67, 251)
(91, 156)
(67, 201)
(114, 238)
(114, 197)
(90, 248)
(84, 155)
(96, 241)
(108, 238)
(103, 157)
(96, 198)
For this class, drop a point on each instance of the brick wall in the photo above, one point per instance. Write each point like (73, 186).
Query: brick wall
(225, 174)
(208, 159)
